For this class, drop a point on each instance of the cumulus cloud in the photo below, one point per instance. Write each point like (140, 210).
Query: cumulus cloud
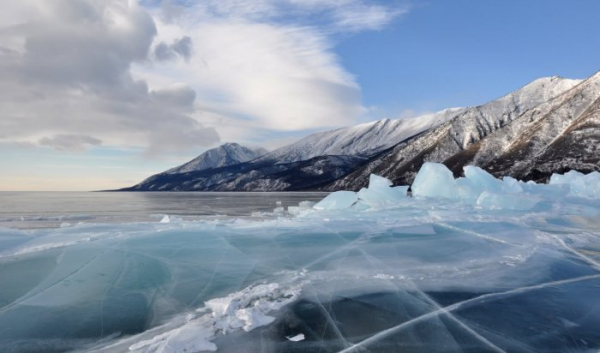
(67, 82)
(181, 47)
(270, 64)
(178, 95)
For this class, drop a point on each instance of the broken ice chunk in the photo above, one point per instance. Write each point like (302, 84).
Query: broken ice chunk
(306, 204)
(249, 308)
(475, 182)
(493, 201)
(481, 179)
(381, 194)
(434, 180)
(511, 185)
(383, 187)
(570, 177)
(377, 182)
(545, 191)
(337, 200)
(592, 185)
(302, 208)
(580, 185)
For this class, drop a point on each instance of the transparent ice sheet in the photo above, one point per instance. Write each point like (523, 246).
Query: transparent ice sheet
(422, 274)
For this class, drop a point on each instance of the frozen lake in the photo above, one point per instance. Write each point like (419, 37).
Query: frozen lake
(51, 209)
(375, 271)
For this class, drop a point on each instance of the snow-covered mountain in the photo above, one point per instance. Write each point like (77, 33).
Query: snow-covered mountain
(321, 158)
(364, 140)
(549, 125)
(224, 155)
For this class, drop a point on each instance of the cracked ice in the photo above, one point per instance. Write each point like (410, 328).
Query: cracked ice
(469, 264)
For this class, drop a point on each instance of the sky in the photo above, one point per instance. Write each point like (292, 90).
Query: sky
(100, 94)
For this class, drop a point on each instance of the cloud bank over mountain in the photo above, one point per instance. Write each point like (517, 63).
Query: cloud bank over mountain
(162, 77)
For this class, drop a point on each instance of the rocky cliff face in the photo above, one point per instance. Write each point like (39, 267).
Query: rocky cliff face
(548, 126)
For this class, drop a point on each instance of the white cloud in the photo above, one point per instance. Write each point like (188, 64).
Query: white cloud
(181, 47)
(280, 78)
(251, 62)
(172, 78)
(69, 83)
(70, 142)
(360, 17)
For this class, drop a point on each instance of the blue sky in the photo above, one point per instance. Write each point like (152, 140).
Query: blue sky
(465, 52)
(99, 94)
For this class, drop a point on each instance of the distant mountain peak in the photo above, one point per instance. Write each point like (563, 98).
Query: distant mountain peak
(227, 154)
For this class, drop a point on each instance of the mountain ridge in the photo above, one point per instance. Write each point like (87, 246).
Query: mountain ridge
(223, 155)
(550, 111)
(442, 145)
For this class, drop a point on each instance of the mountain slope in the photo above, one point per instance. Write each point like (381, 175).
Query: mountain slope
(323, 157)
(559, 135)
(364, 140)
(251, 176)
(527, 134)
(224, 155)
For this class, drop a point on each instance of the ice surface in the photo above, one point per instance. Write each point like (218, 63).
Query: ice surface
(194, 336)
(303, 207)
(492, 266)
(246, 309)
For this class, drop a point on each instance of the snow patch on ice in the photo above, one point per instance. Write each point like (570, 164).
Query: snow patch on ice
(246, 310)
(302, 208)
(297, 338)
(195, 336)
